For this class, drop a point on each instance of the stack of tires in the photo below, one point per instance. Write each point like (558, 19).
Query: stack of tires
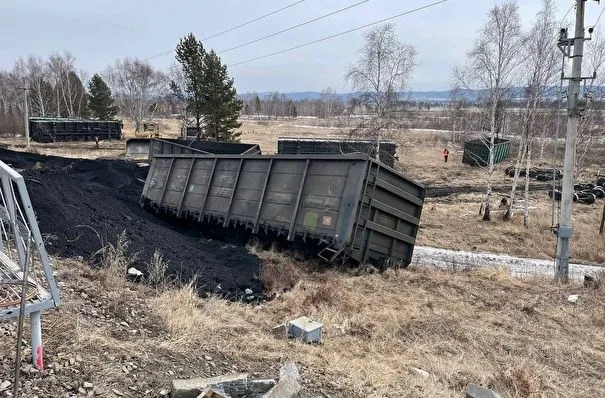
(585, 193)
(536, 173)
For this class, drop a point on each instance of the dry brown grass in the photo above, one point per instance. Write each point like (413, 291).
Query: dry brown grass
(78, 150)
(279, 271)
(520, 337)
(456, 224)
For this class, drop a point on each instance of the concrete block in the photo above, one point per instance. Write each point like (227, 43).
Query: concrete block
(288, 385)
(305, 329)
(235, 385)
(475, 391)
(280, 331)
(260, 387)
(420, 372)
(212, 393)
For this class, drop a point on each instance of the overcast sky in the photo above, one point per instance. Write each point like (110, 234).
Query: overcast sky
(98, 32)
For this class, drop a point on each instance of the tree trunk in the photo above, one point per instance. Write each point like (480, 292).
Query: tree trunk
(523, 146)
(542, 139)
(526, 197)
(487, 216)
(530, 129)
(520, 154)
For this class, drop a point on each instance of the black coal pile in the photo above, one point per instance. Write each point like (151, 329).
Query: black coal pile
(83, 204)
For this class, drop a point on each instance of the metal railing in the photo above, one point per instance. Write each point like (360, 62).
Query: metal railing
(27, 284)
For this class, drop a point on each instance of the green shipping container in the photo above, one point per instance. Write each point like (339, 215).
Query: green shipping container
(476, 152)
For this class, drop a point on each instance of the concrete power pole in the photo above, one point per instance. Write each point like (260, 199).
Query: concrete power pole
(26, 112)
(574, 110)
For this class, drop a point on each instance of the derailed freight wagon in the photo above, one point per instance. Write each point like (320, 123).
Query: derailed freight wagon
(352, 205)
(145, 148)
(476, 152)
(43, 129)
(306, 146)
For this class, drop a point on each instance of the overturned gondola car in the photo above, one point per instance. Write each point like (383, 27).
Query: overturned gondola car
(351, 206)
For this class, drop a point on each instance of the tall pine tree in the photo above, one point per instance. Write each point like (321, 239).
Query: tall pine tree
(222, 106)
(210, 95)
(100, 101)
(190, 54)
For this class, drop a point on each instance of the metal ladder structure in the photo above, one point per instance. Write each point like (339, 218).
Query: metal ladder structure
(331, 254)
(27, 284)
(365, 208)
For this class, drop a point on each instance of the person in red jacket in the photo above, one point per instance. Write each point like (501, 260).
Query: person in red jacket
(446, 153)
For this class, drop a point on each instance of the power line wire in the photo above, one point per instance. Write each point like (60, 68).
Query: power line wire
(235, 27)
(600, 14)
(295, 26)
(251, 21)
(340, 34)
(567, 13)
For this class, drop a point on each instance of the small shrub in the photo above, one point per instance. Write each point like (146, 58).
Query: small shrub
(115, 259)
(278, 271)
(156, 270)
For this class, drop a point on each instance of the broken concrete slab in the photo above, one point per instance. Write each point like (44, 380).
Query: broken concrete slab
(210, 392)
(235, 385)
(420, 372)
(281, 331)
(288, 385)
(475, 391)
(260, 387)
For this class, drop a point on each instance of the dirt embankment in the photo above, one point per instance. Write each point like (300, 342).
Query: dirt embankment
(82, 203)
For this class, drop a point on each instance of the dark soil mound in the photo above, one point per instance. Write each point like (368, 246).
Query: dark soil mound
(77, 199)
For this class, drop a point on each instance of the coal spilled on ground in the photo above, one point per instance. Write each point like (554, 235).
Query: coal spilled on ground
(80, 202)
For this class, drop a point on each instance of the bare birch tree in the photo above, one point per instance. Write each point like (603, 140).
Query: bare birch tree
(34, 75)
(136, 86)
(591, 127)
(540, 55)
(381, 73)
(491, 69)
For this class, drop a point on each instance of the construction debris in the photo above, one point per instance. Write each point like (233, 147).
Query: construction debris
(234, 385)
(259, 387)
(210, 392)
(420, 372)
(239, 386)
(288, 385)
(305, 329)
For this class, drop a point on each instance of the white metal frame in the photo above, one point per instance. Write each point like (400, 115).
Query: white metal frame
(22, 252)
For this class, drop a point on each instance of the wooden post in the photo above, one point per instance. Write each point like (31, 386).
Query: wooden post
(602, 221)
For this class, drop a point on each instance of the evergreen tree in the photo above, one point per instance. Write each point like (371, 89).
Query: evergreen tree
(100, 102)
(257, 107)
(221, 104)
(292, 112)
(190, 54)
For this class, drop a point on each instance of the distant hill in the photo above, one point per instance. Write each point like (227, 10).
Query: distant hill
(434, 96)
(518, 93)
